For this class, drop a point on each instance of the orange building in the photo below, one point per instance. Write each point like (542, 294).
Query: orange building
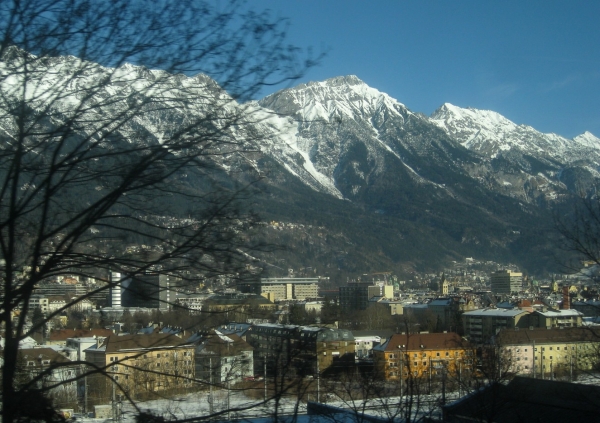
(418, 355)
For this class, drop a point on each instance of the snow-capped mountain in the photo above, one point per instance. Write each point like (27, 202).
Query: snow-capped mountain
(352, 135)
(490, 134)
(528, 164)
(395, 185)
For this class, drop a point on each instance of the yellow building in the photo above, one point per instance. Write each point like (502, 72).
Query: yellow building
(141, 364)
(418, 355)
(549, 352)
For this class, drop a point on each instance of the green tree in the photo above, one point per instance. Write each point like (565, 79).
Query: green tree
(298, 315)
(330, 312)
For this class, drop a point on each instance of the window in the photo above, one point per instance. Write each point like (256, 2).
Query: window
(447, 354)
(415, 355)
(525, 349)
(116, 377)
(157, 364)
(550, 348)
(157, 355)
(437, 354)
(415, 364)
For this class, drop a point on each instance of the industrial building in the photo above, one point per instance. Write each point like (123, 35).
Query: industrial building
(506, 282)
(282, 289)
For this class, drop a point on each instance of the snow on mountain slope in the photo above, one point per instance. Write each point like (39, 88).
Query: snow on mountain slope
(284, 144)
(336, 98)
(588, 139)
(491, 134)
(349, 133)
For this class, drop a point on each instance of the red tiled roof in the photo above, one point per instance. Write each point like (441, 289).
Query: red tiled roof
(116, 343)
(426, 341)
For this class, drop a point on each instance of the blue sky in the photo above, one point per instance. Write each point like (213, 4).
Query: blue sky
(535, 62)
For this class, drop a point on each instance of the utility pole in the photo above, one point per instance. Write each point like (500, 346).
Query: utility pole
(265, 373)
(541, 363)
(228, 399)
(210, 387)
(401, 373)
(533, 365)
(85, 396)
(318, 382)
(444, 384)
(459, 378)
(571, 368)
(429, 376)
(114, 402)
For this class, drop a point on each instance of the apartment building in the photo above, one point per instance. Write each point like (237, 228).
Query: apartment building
(549, 353)
(480, 325)
(58, 375)
(419, 355)
(221, 358)
(144, 363)
(299, 350)
(554, 318)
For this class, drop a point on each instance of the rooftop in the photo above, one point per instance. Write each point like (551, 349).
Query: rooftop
(497, 312)
(423, 341)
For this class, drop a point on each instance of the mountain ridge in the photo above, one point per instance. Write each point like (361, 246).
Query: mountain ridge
(397, 186)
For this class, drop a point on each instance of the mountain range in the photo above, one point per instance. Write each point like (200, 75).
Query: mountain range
(357, 182)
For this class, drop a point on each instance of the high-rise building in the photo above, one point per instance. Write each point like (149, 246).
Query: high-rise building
(355, 296)
(506, 282)
(150, 290)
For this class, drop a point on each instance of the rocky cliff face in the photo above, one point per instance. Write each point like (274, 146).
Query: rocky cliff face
(342, 155)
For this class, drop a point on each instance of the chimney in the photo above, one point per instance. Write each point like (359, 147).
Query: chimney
(566, 303)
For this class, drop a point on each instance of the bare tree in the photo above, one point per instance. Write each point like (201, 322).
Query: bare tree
(579, 228)
(97, 155)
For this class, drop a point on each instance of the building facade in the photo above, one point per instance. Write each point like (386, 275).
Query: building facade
(480, 325)
(222, 359)
(60, 377)
(142, 364)
(549, 353)
(299, 350)
(506, 282)
(355, 296)
(423, 355)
